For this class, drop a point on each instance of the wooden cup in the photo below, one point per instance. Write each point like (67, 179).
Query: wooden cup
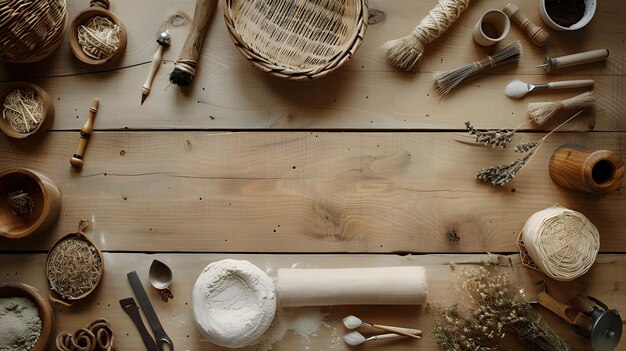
(491, 28)
(48, 108)
(98, 8)
(577, 167)
(43, 306)
(46, 198)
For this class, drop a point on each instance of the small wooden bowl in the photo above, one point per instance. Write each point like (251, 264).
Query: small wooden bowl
(98, 8)
(46, 120)
(43, 306)
(46, 198)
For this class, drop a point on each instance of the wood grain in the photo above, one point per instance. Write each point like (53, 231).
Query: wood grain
(305, 191)
(605, 281)
(368, 93)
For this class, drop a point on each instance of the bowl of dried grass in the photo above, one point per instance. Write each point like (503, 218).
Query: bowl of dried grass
(26, 110)
(74, 267)
(29, 202)
(296, 39)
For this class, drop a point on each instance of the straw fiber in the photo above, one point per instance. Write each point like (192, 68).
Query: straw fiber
(31, 30)
(296, 39)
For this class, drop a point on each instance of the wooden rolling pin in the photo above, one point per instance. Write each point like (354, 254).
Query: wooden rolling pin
(537, 35)
(352, 286)
(577, 167)
(85, 132)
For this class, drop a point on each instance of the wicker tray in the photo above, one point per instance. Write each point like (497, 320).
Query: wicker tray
(296, 39)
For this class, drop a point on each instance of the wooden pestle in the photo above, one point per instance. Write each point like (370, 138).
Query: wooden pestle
(577, 167)
(537, 35)
(352, 286)
(85, 132)
(190, 52)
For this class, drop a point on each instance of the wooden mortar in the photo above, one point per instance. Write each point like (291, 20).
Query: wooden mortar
(98, 8)
(577, 167)
(43, 306)
(48, 108)
(46, 198)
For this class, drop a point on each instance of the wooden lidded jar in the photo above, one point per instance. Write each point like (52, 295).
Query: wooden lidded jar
(580, 168)
(98, 8)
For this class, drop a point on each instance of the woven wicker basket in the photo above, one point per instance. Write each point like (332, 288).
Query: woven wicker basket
(296, 39)
(31, 29)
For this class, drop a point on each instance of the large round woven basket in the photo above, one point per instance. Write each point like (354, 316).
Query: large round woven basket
(296, 39)
(30, 29)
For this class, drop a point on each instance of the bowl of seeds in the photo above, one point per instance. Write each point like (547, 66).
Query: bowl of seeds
(74, 267)
(26, 109)
(29, 202)
(26, 318)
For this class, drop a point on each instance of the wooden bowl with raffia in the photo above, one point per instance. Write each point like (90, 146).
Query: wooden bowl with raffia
(43, 307)
(48, 110)
(297, 39)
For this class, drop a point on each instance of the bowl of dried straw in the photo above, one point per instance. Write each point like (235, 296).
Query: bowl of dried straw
(26, 110)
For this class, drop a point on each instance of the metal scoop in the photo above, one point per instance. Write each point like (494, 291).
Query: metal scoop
(161, 278)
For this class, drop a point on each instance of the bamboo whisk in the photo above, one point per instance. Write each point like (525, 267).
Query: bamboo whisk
(541, 112)
(446, 81)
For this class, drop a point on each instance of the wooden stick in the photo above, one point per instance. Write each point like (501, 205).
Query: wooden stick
(85, 132)
(395, 331)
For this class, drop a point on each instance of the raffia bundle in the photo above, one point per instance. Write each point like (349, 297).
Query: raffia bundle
(31, 30)
(541, 112)
(561, 243)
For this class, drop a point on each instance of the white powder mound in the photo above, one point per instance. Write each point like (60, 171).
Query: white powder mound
(304, 321)
(234, 303)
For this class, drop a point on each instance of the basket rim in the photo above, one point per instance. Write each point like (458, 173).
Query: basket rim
(297, 74)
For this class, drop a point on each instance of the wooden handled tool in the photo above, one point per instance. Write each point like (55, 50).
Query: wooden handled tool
(187, 64)
(164, 41)
(574, 59)
(537, 35)
(85, 133)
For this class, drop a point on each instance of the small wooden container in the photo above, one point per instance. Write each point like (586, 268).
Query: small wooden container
(68, 301)
(98, 8)
(46, 120)
(46, 198)
(43, 306)
(577, 167)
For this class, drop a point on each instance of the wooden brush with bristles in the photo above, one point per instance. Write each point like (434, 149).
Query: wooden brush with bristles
(186, 66)
(541, 112)
(448, 80)
(406, 53)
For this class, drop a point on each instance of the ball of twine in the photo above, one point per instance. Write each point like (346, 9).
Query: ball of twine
(562, 243)
(99, 37)
(23, 110)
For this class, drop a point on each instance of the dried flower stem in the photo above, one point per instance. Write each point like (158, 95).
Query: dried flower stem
(20, 202)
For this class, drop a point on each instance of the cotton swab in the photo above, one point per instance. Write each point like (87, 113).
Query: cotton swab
(356, 338)
(353, 322)
(541, 112)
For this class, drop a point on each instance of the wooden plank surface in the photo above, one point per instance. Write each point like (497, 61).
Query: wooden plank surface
(304, 191)
(605, 280)
(366, 94)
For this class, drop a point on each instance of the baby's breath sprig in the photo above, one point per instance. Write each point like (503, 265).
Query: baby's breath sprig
(453, 332)
(495, 138)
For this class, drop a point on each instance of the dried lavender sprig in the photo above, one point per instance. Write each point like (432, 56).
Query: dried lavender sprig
(494, 138)
(452, 332)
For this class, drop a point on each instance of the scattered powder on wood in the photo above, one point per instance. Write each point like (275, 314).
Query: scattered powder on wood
(99, 37)
(23, 110)
(73, 267)
(20, 325)
(304, 322)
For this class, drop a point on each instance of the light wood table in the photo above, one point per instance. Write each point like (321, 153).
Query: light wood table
(356, 169)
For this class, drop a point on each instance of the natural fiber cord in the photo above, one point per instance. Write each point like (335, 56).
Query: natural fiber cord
(561, 243)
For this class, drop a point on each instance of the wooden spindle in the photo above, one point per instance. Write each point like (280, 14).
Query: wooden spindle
(85, 132)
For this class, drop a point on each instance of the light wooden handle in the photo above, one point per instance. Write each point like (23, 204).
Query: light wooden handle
(154, 66)
(399, 331)
(85, 133)
(569, 84)
(560, 309)
(577, 167)
(385, 336)
(537, 35)
(352, 286)
(195, 38)
(406, 330)
(581, 58)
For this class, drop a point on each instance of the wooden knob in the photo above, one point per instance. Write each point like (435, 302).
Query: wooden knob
(595, 172)
(537, 35)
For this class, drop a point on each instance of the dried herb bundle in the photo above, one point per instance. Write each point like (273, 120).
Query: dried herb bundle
(502, 306)
(453, 332)
(73, 267)
(20, 202)
(494, 138)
